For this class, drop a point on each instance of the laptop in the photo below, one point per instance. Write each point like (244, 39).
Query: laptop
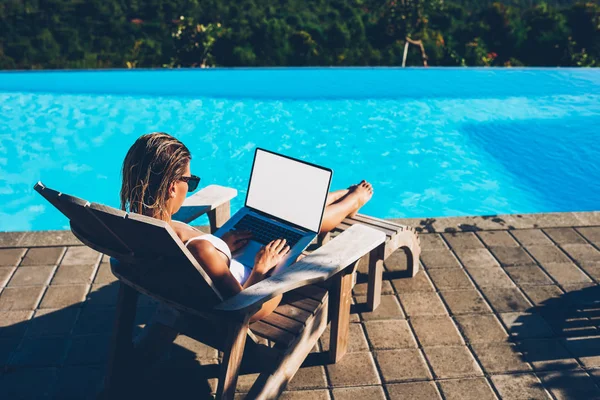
(285, 199)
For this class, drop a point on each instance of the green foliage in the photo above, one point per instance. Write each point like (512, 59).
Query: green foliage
(151, 33)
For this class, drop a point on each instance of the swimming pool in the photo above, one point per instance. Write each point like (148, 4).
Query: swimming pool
(435, 142)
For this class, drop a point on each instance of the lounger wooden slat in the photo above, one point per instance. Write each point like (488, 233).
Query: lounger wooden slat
(313, 291)
(272, 333)
(377, 222)
(283, 322)
(292, 311)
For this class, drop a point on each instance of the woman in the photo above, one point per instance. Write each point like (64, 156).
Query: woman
(157, 177)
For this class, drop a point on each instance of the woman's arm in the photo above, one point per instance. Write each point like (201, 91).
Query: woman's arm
(215, 266)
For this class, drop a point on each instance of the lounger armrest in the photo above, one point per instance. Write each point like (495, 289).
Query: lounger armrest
(318, 266)
(203, 201)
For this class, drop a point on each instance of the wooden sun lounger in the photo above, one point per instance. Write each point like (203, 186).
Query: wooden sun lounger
(396, 237)
(147, 257)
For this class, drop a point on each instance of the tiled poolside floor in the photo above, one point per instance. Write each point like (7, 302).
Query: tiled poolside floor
(505, 307)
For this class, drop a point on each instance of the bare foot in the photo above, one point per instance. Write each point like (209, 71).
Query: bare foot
(363, 192)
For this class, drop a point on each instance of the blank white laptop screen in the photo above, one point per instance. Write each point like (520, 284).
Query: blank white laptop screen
(288, 189)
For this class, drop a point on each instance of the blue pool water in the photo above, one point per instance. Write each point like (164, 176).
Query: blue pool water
(436, 142)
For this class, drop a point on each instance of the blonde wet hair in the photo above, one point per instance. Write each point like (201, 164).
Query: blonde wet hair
(152, 163)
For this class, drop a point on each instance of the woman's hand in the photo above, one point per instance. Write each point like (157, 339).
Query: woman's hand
(270, 255)
(236, 239)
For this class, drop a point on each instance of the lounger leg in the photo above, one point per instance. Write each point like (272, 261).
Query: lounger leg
(218, 216)
(341, 296)
(122, 344)
(375, 278)
(232, 358)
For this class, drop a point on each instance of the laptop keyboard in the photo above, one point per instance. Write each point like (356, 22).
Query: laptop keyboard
(264, 232)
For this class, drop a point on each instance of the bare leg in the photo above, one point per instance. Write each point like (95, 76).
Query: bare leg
(332, 197)
(345, 206)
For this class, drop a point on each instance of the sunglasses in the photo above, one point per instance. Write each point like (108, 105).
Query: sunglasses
(192, 182)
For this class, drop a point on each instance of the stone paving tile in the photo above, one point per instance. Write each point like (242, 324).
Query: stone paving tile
(548, 254)
(592, 268)
(476, 258)
(184, 346)
(541, 294)
(73, 274)
(389, 308)
(517, 387)
(467, 389)
(394, 334)
(582, 252)
(491, 277)
(432, 242)
(95, 320)
(356, 393)
(526, 325)
(52, 322)
(439, 259)
(28, 383)
(478, 328)
(413, 391)
(308, 378)
(5, 274)
(450, 279)
(497, 238)
(357, 342)
(585, 349)
(105, 275)
(590, 233)
(81, 383)
(531, 237)
(40, 352)
(528, 275)
(422, 303)
(452, 362)
(565, 236)
(43, 256)
(506, 300)
(11, 257)
(10, 239)
(64, 296)
(360, 289)
(511, 256)
(304, 395)
(49, 238)
(20, 298)
(546, 354)
(14, 323)
(88, 350)
(572, 384)
(396, 262)
(402, 365)
(419, 283)
(354, 369)
(7, 347)
(500, 357)
(81, 255)
(104, 295)
(32, 276)
(465, 302)
(436, 331)
(566, 273)
(467, 240)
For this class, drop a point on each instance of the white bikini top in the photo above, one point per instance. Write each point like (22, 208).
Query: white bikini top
(239, 271)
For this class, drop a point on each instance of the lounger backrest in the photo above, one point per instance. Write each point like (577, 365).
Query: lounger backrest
(151, 255)
(82, 222)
